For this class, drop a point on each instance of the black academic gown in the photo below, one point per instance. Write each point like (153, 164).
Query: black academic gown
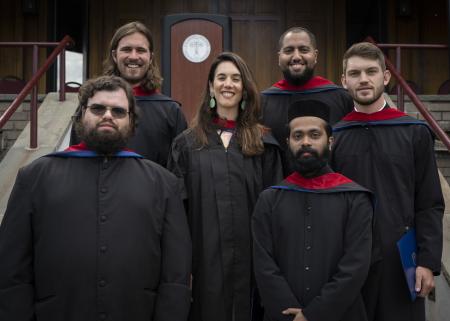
(312, 242)
(392, 154)
(221, 187)
(160, 121)
(92, 238)
(276, 100)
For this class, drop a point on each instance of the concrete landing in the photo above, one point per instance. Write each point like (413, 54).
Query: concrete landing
(53, 122)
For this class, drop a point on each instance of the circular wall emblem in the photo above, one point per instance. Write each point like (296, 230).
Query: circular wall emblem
(196, 48)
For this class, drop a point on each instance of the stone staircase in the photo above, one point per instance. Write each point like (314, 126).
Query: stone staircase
(54, 119)
(11, 131)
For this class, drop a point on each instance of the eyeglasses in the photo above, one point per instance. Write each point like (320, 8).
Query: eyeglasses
(100, 110)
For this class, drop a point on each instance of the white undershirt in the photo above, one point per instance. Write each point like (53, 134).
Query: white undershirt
(384, 105)
(225, 136)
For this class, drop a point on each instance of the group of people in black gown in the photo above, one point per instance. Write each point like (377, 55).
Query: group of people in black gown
(280, 205)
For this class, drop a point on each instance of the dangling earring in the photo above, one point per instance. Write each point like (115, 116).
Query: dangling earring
(212, 102)
(243, 101)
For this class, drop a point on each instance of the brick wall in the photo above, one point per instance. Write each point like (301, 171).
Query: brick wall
(16, 123)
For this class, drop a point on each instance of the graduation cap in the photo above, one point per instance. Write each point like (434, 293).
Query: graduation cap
(305, 108)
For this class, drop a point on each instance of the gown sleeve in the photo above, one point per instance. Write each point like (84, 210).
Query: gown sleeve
(16, 255)
(174, 295)
(272, 166)
(178, 122)
(275, 292)
(428, 202)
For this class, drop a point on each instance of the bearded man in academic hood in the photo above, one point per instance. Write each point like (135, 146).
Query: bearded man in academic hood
(297, 60)
(96, 232)
(312, 232)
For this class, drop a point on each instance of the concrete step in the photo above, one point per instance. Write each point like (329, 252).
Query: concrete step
(438, 105)
(54, 119)
(17, 122)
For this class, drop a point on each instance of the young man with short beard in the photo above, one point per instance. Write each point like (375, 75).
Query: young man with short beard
(392, 154)
(297, 59)
(312, 233)
(96, 232)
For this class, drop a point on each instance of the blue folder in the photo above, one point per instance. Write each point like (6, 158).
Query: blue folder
(407, 247)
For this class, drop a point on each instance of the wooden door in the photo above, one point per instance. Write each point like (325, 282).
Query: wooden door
(192, 43)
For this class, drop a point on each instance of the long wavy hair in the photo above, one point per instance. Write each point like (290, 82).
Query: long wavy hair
(152, 79)
(248, 131)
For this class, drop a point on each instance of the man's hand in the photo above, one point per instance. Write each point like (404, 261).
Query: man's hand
(297, 312)
(424, 281)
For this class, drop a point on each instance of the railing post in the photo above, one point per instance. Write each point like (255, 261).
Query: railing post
(398, 66)
(31, 86)
(33, 104)
(62, 75)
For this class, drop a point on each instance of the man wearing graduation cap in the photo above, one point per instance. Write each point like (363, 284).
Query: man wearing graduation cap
(312, 233)
(96, 232)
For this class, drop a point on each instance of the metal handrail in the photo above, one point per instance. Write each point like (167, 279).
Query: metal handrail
(32, 84)
(415, 99)
(398, 61)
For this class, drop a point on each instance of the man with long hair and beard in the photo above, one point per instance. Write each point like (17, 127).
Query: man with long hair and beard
(96, 232)
(312, 232)
(131, 56)
(297, 59)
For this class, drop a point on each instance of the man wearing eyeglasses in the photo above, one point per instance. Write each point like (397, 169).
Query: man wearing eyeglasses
(96, 232)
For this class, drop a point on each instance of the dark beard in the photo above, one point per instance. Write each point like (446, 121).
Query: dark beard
(310, 166)
(102, 143)
(299, 79)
